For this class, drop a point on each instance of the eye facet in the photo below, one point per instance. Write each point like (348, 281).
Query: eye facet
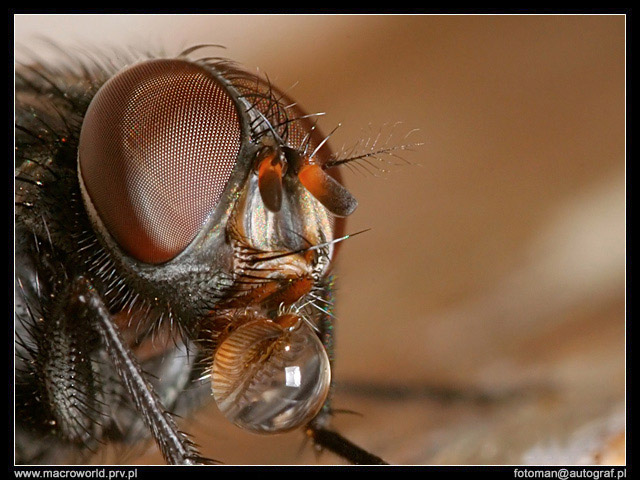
(271, 376)
(158, 144)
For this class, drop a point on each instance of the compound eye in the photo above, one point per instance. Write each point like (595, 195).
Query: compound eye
(157, 147)
(270, 378)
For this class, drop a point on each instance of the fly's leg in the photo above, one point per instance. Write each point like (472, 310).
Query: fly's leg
(176, 448)
(61, 400)
(331, 440)
(318, 429)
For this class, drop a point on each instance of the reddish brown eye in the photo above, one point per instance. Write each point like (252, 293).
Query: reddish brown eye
(157, 147)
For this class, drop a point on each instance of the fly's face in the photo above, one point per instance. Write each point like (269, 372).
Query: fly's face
(206, 206)
(176, 177)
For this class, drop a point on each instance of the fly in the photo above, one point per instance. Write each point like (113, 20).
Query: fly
(176, 223)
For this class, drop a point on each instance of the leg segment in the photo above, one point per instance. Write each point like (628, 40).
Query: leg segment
(176, 448)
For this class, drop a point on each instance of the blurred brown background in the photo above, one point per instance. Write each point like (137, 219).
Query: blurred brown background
(482, 319)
